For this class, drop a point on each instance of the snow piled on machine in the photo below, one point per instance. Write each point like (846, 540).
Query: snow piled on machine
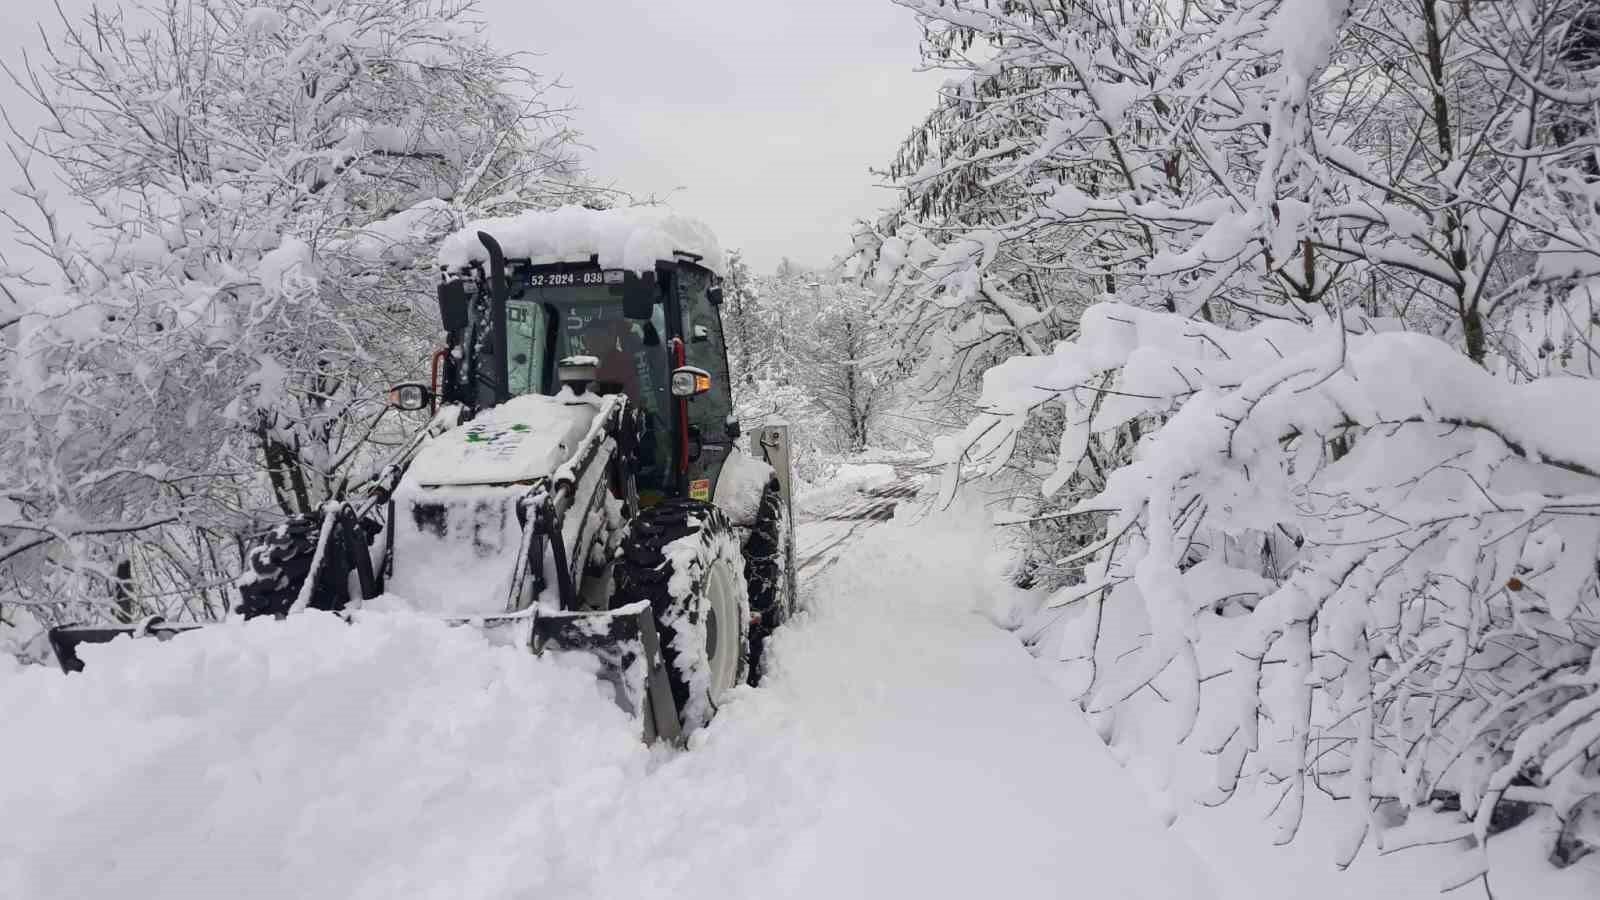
(461, 547)
(526, 437)
(458, 539)
(629, 238)
(743, 481)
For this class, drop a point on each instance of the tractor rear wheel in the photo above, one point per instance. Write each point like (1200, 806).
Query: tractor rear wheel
(768, 558)
(683, 557)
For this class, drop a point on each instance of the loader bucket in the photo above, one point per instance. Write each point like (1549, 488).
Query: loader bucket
(65, 640)
(624, 643)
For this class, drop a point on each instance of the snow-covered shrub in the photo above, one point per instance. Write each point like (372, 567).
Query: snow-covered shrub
(1368, 561)
(1320, 471)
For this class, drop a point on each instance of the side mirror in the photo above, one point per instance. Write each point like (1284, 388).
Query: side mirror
(700, 334)
(410, 397)
(688, 381)
(714, 294)
(638, 295)
(731, 427)
(453, 304)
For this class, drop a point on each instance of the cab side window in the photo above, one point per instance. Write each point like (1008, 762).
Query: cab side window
(528, 337)
(702, 333)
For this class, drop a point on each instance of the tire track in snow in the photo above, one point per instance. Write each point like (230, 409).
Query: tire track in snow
(820, 540)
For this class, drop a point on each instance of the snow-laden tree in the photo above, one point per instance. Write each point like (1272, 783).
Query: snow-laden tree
(1239, 160)
(265, 182)
(808, 349)
(838, 347)
(742, 298)
(1328, 425)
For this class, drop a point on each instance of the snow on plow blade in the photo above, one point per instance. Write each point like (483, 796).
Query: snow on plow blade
(65, 640)
(624, 643)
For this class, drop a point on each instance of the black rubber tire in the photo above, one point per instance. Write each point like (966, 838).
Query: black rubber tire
(276, 566)
(644, 571)
(767, 556)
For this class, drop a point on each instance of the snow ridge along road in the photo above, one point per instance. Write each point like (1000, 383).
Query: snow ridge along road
(902, 747)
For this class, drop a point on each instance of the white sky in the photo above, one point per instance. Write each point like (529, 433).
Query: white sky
(759, 116)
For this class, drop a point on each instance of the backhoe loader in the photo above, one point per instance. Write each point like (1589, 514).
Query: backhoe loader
(579, 487)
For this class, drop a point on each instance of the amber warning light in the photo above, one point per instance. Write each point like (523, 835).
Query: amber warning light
(688, 381)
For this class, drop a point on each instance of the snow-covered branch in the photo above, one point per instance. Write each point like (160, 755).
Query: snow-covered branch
(264, 179)
(1316, 463)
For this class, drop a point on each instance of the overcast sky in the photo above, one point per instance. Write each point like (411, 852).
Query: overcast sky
(759, 116)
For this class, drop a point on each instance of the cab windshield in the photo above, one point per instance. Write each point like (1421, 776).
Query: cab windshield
(546, 325)
(586, 322)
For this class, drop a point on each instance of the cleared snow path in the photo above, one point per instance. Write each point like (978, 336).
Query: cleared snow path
(956, 771)
(902, 747)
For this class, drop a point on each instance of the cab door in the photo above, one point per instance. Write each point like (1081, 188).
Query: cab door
(700, 329)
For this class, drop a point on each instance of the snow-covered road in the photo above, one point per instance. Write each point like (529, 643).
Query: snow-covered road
(953, 770)
(901, 747)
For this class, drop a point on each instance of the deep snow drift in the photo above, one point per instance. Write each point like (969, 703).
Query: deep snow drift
(902, 746)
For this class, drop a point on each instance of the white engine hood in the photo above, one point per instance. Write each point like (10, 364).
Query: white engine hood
(525, 438)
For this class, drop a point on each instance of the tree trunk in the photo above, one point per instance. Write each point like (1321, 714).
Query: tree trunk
(126, 608)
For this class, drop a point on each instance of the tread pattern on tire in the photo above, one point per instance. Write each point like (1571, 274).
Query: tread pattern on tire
(280, 561)
(766, 560)
(644, 572)
(277, 566)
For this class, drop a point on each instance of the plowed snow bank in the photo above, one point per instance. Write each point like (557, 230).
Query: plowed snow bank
(304, 758)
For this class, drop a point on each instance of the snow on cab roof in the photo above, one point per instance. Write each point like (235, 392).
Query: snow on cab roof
(628, 238)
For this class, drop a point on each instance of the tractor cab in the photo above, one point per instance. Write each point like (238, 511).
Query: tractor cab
(654, 336)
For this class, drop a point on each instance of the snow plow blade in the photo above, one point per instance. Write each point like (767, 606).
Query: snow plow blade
(624, 643)
(65, 640)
